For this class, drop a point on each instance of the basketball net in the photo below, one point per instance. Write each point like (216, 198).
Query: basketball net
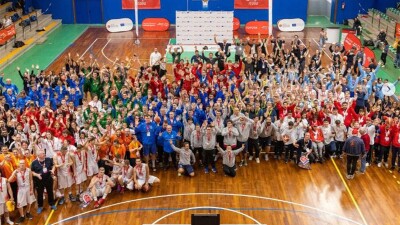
(205, 4)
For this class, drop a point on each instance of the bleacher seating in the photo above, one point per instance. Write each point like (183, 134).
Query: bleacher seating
(375, 21)
(26, 25)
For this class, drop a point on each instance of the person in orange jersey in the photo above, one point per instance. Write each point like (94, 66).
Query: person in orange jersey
(134, 150)
(7, 166)
(118, 149)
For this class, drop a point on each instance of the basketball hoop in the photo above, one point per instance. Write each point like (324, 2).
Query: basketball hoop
(205, 4)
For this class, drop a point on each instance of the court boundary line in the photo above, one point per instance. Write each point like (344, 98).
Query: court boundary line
(206, 207)
(102, 51)
(208, 194)
(91, 45)
(51, 214)
(308, 213)
(323, 49)
(349, 192)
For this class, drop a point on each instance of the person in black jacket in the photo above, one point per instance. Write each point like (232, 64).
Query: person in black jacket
(43, 172)
(304, 145)
(357, 26)
(354, 148)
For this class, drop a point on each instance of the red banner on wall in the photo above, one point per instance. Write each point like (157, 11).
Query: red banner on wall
(256, 27)
(6, 34)
(398, 30)
(155, 24)
(369, 54)
(352, 41)
(251, 4)
(142, 4)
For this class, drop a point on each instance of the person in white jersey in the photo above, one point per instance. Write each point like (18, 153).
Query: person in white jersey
(25, 197)
(126, 177)
(79, 169)
(142, 177)
(5, 195)
(63, 162)
(100, 185)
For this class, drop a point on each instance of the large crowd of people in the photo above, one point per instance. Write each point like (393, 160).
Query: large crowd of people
(97, 129)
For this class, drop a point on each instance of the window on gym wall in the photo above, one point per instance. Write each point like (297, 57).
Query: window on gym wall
(319, 8)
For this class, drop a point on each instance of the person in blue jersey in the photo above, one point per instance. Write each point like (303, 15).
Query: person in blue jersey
(147, 130)
(8, 85)
(161, 127)
(175, 124)
(167, 136)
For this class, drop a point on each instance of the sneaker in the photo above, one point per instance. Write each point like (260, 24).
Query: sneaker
(266, 157)
(334, 156)
(101, 201)
(179, 174)
(286, 161)
(7, 220)
(39, 210)
(214, 170)
(366, 164)
(245, 163)
(29, 216)
(53, 207)
(251, 158)
(154, 169)
(380, 164)
(62, 200)
(20, 220)
(72, 198)
(96, 204)
(257, 160)
(341, 156)
(348, 177)
(205, 170)
(241, 163)
(360, 172)
(392, 168)
(387, 165)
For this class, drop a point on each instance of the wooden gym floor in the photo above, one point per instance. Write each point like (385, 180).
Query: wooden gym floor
(267, 193)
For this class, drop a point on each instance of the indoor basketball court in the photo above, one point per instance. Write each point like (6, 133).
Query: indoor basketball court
(268, 193)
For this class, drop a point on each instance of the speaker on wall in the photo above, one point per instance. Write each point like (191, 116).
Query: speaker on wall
(205, 219)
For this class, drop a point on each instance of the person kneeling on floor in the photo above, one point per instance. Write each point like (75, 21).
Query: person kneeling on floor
(142, 178)
(229, 158)
(186, 159)
(100, 185)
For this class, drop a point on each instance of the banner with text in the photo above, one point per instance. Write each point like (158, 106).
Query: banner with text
(251, 4)
(142, 4)
(6, 34)
(353, 41)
